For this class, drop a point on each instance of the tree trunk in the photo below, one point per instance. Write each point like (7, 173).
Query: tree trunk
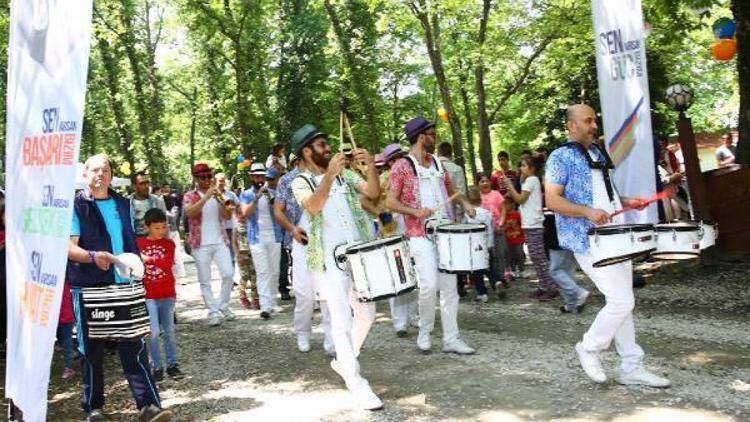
(431, 28)
(193, 118)
(112, 77)
(483, 124)
(741, 10)
(358, 84)
(467, 118)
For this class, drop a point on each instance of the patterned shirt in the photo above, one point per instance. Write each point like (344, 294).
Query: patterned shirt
(405, 187)
(253, 230)
(292, 210)
(194, 222)
(566, 166)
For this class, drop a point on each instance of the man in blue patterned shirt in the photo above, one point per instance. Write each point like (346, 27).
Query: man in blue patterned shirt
(288, 212)
(582, 198)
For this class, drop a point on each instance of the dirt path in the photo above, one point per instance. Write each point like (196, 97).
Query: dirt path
(693, 327)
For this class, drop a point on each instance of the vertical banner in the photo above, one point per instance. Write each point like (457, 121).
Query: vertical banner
(625, 103)
(48, 58)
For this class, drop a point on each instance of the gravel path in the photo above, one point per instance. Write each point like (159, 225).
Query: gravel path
(691, 322)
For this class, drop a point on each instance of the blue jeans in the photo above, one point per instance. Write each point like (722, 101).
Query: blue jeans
(161, 315)
(65, 337)
(562, 267)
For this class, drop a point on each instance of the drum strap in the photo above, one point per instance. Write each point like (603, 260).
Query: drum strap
(605, 166)
(413, 163)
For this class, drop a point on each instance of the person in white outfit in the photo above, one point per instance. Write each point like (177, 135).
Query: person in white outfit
(580, 191)
(288, 214)
(264, 235)
(333, 216)
(419, 190)
(209, 243)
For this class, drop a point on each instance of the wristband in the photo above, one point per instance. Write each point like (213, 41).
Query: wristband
(91, 257)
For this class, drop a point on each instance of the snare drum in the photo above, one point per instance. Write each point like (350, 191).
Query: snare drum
(462, 248)
(679, 240)
(709, 234)
(380, 268)
(116, 312)
(610, 245)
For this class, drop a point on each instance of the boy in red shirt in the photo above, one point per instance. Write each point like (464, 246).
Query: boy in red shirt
(516, 258)
(157, 252)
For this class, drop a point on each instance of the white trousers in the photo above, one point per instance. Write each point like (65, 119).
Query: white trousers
(403, 309)
(304, 299)
(267, 262)
(178, 268)
(615, 319)
(219, 254)
(350, 320)
(431, 281)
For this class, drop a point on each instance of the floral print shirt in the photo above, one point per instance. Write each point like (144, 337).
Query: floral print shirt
(566, 166)
(285, 195)
(194, 222)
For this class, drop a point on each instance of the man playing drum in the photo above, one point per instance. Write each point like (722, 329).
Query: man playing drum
(420, 189)
(333, 216)
(583, 197)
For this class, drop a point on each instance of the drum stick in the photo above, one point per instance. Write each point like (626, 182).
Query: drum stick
(659, 196)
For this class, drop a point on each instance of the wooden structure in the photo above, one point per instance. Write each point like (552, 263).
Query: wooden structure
(728, 198)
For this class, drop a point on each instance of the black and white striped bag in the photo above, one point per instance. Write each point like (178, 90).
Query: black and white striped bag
(116, 312)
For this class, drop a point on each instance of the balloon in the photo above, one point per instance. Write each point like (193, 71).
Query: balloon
(246, 163)
(442, 114)
(724, 28)
(125, 168)
(239, 166)
(724, 50)
(240, 158)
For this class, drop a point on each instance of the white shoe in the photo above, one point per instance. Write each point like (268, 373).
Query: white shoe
(336, 366)
(215, 320)
(458, 347)
(482, 298)
(591, 364)
(228, 315)
(641, 376)
(303, 345)
(277, 309)
(582, 298)
(423, 341)
(366, 398)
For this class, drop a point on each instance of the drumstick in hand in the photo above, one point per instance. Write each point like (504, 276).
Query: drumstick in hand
(659, 196)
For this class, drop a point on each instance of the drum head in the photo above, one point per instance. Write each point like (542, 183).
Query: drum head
(373, 244)
(461, 228)
(621, 228)
(675, 256)
(129, 265)
(622, 258)
(682, 226)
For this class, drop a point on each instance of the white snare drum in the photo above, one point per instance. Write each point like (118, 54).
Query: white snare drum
(380, 268)
(462, 248)
(622, 242)
(680, 240)
(709, 234)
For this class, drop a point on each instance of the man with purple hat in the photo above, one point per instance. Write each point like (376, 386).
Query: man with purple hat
(209, 242)
(419, 190)
(264, 234)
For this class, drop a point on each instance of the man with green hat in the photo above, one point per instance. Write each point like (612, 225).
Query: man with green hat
(329, 195)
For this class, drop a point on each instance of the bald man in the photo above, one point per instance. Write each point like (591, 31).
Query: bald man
(579, 190)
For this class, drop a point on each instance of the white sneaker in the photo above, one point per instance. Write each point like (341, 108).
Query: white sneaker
(591, 364)
(458, 347)
(641, 376)
(366, 398)
(228, 315)
(582, 298)
(482, 298)
(277, 309)
(423, 341)
(215, 320)
(337, 368)
(303, 345)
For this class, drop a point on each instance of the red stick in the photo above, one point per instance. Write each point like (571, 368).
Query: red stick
(659, 196)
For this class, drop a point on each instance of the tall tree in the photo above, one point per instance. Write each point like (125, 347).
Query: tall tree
(741, 10)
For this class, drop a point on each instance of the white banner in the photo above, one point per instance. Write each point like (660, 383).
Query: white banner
(48, 59)
(625, 103)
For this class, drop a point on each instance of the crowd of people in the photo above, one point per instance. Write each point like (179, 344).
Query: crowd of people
(284, 228)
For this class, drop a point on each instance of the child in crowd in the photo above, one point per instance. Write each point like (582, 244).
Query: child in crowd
(532, 222)
(482, 216)
(241, 245)
(492, 201)
(65, 331)
(515, 258)
(157, 252)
